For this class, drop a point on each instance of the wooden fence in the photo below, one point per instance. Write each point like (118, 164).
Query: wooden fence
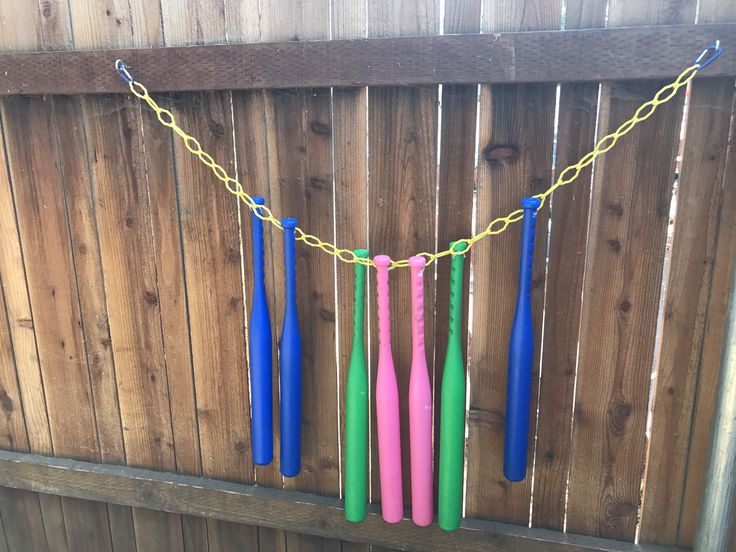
(125, 270)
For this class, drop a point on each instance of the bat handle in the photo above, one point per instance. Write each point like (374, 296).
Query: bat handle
(420, 405)
(521, 355)
(260, 352)
(356, 407)
(387, 405)
(291, 362)
(452, 408)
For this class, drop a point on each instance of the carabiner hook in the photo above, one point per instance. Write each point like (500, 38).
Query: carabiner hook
(716, 47)
(122, 70)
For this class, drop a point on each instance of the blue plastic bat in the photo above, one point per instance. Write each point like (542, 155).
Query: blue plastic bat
(521, 355)
(291, 363)
(260, 353)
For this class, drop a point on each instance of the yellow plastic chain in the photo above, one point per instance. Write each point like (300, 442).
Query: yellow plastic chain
(496, 226)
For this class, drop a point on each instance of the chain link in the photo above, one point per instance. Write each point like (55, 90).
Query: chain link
(495, 227)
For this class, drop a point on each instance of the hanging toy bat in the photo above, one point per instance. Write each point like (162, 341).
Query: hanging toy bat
(259, 353)
(387, 405)
(452, 408)
(356, 407)
(420, 405)
(290, 354)
(521, 355)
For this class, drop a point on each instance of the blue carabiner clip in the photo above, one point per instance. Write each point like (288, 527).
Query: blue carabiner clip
(716, 47)
(122, 70)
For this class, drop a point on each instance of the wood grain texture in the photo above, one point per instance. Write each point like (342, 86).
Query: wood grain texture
(128, 257)
(24, 33)
(699, 200)
(710, 356)
(402, 199)
(578, 109)
(19, 510)
(43, 229)
(515, 158)
(455, 192)
(210, 227)
(714, 322)
(300, 122)
(621, 297)
(309, 513)
(660, 52)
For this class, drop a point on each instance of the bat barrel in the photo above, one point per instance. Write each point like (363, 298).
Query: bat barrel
(290, 362)
(420, 405)
(260, 352)
(521, 355)
(452, 409)
(387, 405)
(356, 407)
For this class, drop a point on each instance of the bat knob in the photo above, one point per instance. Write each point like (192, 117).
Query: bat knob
(382, 261)
(531, 203)
(289, 223)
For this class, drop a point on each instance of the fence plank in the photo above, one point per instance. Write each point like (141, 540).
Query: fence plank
(455, 191)
(570, 208)
(699, 199)
(20, 510)
(349, 141)
(402, 167)
(218, 336)
(55, 29)
(301, 124)
(712, 349)
(94, 316)
(516, 127)
(129, 268)
(653, 53)
(43, 229)
(24, 34)
(621, 299)
(309, 513)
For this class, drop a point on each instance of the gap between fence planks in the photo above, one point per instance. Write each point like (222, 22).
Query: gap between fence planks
(254, 505)
(552, 56)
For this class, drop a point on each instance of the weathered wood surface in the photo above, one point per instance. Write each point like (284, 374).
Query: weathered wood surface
(307, 513)
(149, 257)
(578, 107)
(630, 206)
(516, 126)
(504, 56)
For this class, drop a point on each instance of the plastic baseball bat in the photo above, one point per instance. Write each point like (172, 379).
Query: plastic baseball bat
(290, 353)
(356, 407)
(420, 405)
(387, 405)
(521, 355)
(259, 353)
(452, 408)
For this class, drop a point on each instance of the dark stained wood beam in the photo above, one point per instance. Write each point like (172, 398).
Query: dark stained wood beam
(555, 56)
(275, 508)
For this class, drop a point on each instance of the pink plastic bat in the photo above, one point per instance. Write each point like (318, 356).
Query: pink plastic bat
(420, 405)
(387, 405)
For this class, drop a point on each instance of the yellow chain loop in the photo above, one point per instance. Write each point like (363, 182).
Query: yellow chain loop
(495, 227)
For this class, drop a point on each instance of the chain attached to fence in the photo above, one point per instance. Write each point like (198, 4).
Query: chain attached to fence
(496, 226)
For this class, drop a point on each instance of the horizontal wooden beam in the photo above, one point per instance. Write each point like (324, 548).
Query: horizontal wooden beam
(554, 56)
(262, 506)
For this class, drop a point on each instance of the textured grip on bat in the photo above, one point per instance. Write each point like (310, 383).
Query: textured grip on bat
(452, 409)
(260, 353)
(387, 404)
(291, 362)
(420, 405)
(356, 407)
(521, 355)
